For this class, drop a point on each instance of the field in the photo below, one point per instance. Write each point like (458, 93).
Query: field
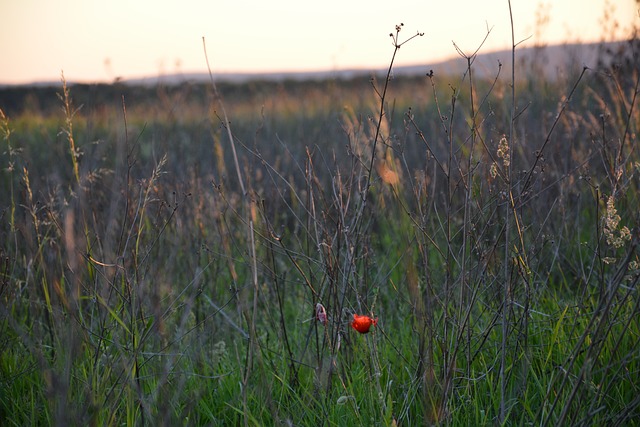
(168, 253)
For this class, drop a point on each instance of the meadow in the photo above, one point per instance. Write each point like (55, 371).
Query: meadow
(168, 253)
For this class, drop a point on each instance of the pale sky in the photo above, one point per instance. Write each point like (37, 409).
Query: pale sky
(97, 41)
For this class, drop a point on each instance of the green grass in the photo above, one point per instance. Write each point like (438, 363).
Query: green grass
(149, 288)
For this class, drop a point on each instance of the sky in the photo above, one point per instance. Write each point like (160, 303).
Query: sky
(99, 41)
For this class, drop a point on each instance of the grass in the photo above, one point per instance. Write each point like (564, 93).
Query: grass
(164, 250)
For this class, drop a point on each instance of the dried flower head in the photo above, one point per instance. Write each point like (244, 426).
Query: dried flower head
(493, 170)
(615, 236)
(503, 151)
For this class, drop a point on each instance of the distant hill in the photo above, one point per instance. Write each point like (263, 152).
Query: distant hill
(551, 60)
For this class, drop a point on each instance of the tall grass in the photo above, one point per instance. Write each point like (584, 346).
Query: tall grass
(164, 253)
